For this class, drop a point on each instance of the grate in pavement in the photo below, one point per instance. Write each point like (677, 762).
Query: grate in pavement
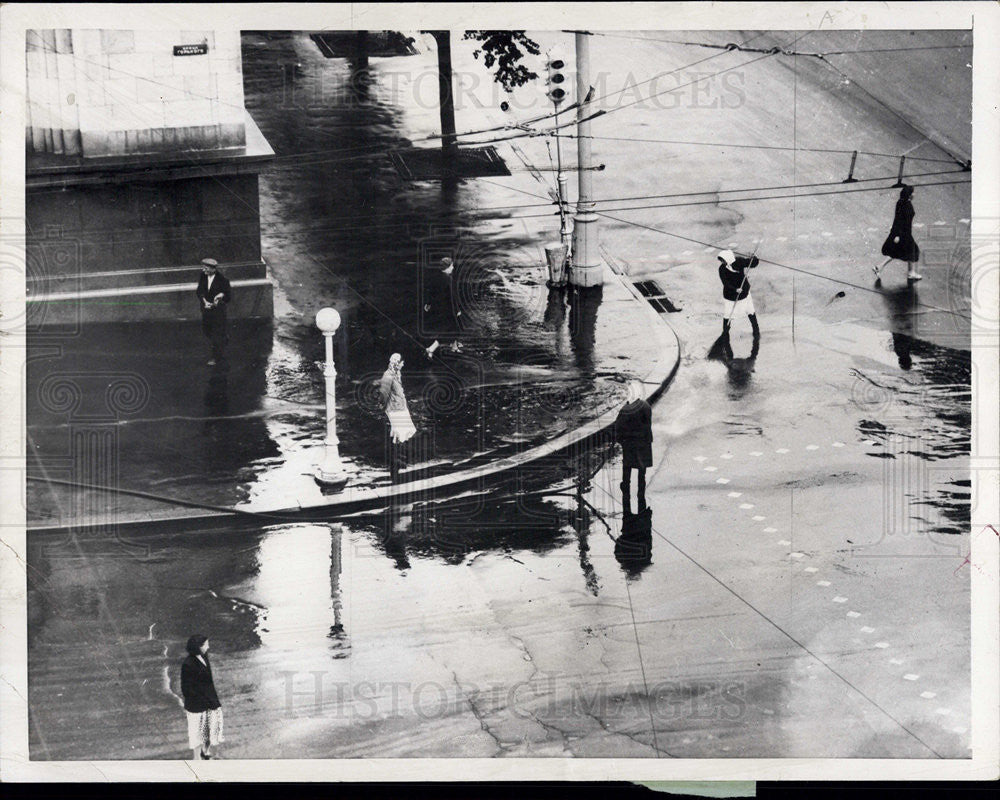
(649, 288)
(348, 44)
(655, 296)
(427, 164)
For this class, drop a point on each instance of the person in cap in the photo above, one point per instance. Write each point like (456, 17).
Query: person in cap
(201, 702)
(634, 432)
(736, 296)
(401, 427)
(214, 293)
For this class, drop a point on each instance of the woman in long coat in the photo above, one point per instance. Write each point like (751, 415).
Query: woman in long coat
(899, 244)
(634, 432)
(397, 413)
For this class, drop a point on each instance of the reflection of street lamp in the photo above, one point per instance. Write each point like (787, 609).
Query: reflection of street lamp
(331, 471)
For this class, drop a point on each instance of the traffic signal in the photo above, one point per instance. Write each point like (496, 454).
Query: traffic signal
(556, 65)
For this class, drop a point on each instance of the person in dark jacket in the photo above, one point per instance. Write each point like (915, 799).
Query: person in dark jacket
(899, 244)
(634, 432)
(441, 315)
(201, 703)
(214, 293)
(736, 289)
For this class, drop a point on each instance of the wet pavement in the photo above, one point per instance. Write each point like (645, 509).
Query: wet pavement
(796, 586)
(340, 227)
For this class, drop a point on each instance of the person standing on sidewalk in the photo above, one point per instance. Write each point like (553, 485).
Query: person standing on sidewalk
(214, 293)
(397, 413)
(899, 243)
(634, 432)
(736, 289)
(201, 703)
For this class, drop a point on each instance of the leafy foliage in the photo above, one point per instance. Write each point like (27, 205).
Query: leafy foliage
(504, 49)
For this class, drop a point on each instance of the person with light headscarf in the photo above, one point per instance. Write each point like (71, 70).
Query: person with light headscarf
(736, 297)
(634, 432)
(401, 427)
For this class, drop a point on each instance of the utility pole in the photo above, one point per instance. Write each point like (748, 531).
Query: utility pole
(586, 269)
(446, 99)
(556, 65)
(561, 183)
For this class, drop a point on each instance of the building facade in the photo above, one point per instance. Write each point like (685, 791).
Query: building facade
(141, 161)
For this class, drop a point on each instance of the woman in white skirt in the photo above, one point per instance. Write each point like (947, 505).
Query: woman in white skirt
(201, 703)
(401, 427)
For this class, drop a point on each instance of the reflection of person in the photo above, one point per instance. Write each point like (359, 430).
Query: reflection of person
(214, 293)
(739, 370)
(736, 296)
(900, 304)
(634, 432)
(397, 413)
(634, 545)
(204, 711)
(217, 392)
(899, 244)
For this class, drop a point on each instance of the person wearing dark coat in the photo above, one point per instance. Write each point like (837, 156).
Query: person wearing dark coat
(214, 293)
(736, 295)
(441, 316)
(201, 702)
(634, 432)
(899, 244)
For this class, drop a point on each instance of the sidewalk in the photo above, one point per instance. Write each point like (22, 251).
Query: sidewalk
(539, 370)
(281, 485)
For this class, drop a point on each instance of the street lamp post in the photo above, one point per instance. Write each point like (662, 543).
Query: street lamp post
(331, 471)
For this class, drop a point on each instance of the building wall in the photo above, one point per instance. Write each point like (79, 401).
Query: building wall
(143, 225)
(98, 93)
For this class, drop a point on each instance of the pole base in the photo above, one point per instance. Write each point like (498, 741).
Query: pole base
(586, 277)
(330, 479)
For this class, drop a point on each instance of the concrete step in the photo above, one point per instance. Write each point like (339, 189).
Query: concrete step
(39, 285)
(253, 298)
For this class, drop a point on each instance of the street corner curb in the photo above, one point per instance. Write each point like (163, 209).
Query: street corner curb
(656, 379)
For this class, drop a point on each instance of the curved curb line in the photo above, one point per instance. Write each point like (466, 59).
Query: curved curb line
(661, 376)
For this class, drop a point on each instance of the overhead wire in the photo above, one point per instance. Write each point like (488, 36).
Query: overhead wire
(734, 146)
(732, 46)
(893, 111)
(378, 150)
(629, 222)
(762, 260)
(774, 263)
(346, 224)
